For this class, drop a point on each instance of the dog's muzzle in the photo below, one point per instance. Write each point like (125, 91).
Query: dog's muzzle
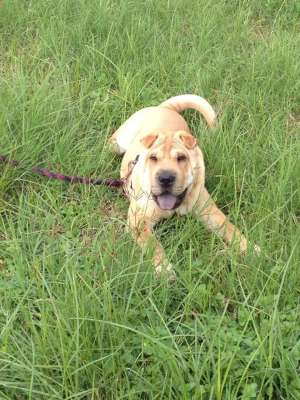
(166, 178)
(169, 201)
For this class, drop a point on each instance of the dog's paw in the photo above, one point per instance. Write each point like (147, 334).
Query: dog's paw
(165, 270)
(245, 246)
(114, 147)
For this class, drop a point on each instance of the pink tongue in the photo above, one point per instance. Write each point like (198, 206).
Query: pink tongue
(166, 201)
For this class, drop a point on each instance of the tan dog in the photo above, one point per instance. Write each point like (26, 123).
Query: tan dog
(165, 173)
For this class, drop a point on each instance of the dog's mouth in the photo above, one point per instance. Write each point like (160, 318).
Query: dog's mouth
(169, 201)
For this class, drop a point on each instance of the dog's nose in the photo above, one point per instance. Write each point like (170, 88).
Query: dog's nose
(166, 178)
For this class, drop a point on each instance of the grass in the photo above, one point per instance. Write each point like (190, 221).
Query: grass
(81, 314)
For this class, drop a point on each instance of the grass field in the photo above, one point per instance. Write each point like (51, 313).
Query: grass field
(81, 313)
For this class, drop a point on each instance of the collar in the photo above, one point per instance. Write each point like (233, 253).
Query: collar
(131, 166)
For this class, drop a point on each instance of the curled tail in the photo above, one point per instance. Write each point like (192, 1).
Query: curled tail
(182, 102)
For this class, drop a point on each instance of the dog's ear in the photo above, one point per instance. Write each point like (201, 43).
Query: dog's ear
(188, 140)
(148, 140)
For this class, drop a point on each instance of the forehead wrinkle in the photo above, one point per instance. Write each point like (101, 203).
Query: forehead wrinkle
(158, 143)
(167, 146)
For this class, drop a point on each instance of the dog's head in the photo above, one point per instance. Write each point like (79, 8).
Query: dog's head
(170, 163)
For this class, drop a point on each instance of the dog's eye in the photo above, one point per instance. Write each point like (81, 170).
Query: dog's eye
(153, 157)
(181, 157)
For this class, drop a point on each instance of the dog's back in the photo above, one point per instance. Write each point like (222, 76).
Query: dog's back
(163, 118)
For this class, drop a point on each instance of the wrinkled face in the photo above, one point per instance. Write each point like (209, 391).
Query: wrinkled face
(169, 165)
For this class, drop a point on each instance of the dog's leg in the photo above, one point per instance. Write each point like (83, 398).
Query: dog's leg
(124, 135)
(214, 219)
(114, 145)
(141, 227)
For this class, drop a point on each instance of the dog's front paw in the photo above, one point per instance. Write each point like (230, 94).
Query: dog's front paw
(243, 244)
(165, 270)
(245, 247)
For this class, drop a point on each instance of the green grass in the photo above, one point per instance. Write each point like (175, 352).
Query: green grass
(81, 314)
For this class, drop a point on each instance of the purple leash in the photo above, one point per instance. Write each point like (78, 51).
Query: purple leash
(116, 183)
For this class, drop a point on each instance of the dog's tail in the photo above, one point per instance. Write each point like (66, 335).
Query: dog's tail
(184, 101)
